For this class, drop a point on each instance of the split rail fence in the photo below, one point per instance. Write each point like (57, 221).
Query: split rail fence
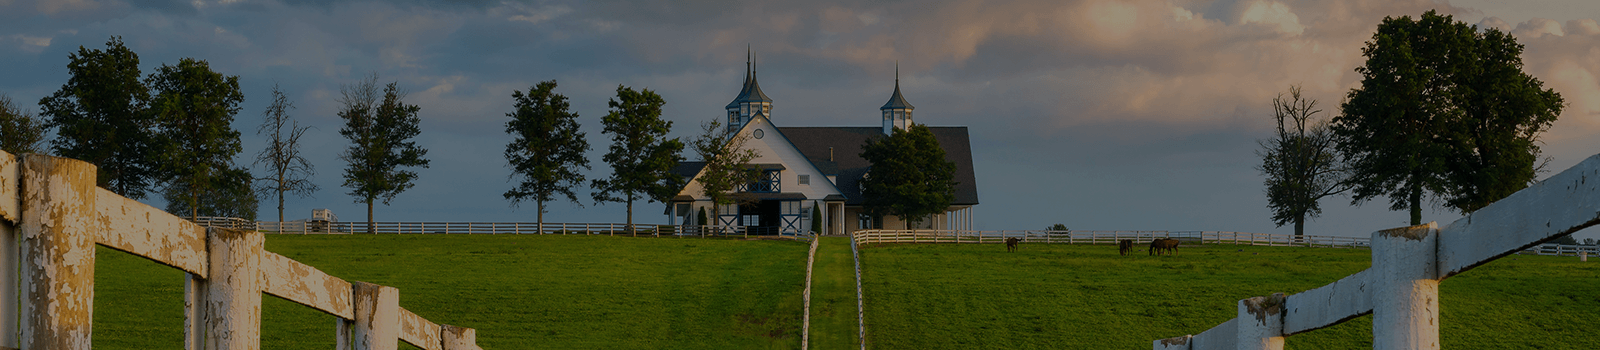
(52, 216)
(1401, 289)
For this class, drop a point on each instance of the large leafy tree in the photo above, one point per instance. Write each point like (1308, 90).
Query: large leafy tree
(229, 195)
(548, 150)
(287, 170)
(1431, 117)
(100, 117)
(727, 165)
(1300, 162)
(380, 133)
(20, 131)
(1494, 145)
(641, 157)
(194, 108)
(910, 177)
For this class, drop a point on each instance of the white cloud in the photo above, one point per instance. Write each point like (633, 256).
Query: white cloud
(1274, 14)
(32, 44)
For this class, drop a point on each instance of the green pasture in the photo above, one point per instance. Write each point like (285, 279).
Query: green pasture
(519, 292)
(978, 296)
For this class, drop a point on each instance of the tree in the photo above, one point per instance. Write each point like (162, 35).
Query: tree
(548, 149)
(20, 131)
(194, 108)
(1442, 109)
(1057, 227)
(1301, 162)
(909, 178)
(1495, 143)
(380, 134)
(287, 170)
(816, 217)
(230, 196)
(727, 165)
(641, 156)
(100, 117)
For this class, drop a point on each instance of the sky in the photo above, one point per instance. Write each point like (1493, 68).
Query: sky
(1096, 114)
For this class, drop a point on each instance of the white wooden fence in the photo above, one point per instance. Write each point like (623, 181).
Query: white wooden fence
(1105, 237)
(52, 215)
(1401, 289)
(494, 228)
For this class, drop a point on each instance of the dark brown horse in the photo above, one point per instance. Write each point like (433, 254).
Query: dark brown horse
(1166, 244)
(1011, 243)
(1124, 246)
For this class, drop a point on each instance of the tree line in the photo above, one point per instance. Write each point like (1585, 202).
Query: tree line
(1444, 114)
(171, 132)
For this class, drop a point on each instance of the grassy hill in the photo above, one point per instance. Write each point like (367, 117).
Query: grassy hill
(547, 292)
(580, 292)
(1082, 297)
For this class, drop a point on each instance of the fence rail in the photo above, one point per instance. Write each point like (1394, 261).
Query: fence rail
(1105, 237)
(1401, 289)
(496, 228)
(52, 216)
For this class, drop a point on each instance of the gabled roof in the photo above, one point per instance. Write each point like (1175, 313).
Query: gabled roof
(846, 141)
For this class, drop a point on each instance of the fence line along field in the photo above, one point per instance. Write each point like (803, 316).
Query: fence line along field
(1047, 296)
(519, 291)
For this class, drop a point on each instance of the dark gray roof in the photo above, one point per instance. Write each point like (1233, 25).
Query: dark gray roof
(750, 93)
(688, 169)
(846, 141)
(896, 101)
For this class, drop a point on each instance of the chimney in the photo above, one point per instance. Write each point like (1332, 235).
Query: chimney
(830, 154)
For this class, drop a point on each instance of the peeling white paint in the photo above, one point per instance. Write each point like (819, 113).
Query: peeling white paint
(419, 331)
(306, 285)
(233, 292)
(1260, 323)
(10, 187)
(377, 322)
(57, 282)
(459, 338)
(127, 225)
(1406, 313)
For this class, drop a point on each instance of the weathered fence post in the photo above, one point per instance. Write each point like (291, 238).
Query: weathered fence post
(57, 272)
(1405, 310)
(10, 216)
(377, 323)
(1260, 323)
(232, 306)
(458, 338)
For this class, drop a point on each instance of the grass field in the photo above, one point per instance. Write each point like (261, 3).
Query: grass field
(546, 292)
(945, 296)
(833, 296)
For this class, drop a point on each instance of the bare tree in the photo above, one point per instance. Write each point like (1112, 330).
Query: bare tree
(1301, 161)
(288, 172)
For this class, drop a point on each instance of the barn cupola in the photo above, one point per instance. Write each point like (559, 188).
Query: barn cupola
(751, 101)
(897, 112)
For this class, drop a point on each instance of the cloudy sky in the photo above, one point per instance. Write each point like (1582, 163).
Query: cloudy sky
(1098, 114)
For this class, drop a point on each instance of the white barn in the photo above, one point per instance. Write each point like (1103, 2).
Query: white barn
(817, 168)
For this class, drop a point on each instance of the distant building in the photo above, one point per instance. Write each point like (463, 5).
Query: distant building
(818, 168)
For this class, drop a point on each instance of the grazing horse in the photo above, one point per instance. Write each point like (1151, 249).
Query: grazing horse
(1167, 244)
(1011, 243)
(1124, 246)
